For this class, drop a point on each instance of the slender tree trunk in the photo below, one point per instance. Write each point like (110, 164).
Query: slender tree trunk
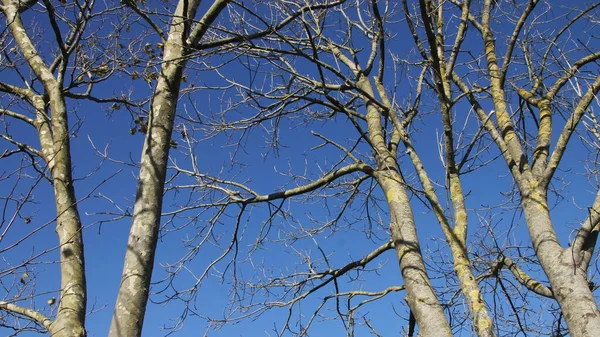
(128, 316)
(70, 320)
(482, 321)
(420, 295)
(54, 138)
(569, 281)
(457, 238)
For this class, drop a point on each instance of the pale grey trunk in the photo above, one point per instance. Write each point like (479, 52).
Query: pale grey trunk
(70, 319)
(128, 316)
(56, 149)
(185, 32)
(420, 295)
(130, 308)
(569, 282)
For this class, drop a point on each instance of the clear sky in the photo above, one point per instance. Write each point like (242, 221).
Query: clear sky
(106, 187)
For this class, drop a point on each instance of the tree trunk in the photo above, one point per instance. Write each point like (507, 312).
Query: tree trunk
(482, 321)
(456, 237)
(128, 316)
(70, 320)
(56, 148)
(569, 282)
(420, 295)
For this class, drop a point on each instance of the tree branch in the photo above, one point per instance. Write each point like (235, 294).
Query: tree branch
(29, 313)
(513, 39)
(525, 279)
(17, 116)
(323, 181)
(583, 245)
(568, 130)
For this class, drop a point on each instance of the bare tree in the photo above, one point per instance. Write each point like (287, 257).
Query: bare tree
(534, 58)
(340, 75)
(321, 75)
(317, 74)
(183, 36)
(41, 103)
(59, 74)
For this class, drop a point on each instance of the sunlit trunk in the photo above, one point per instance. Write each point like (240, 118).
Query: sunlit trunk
(56, 148)
(569, 282)
(130, 309)
(420, 295)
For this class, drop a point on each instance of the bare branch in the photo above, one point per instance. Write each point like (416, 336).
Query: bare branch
(31, 314)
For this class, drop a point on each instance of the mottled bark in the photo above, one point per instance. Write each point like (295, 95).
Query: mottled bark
(457, 240)
(420, 294)
(55, 142)
(70, 320)
(498, 94)
(567, 277)
(456, 236)
(133, 294)
(130, 308)
(569, 282)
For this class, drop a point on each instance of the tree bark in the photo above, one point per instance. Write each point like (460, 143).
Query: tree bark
(569, 282)
(53, 132)
(456, 237)
(130, 308)
(420, 295)
(70, 320)
(567, 277)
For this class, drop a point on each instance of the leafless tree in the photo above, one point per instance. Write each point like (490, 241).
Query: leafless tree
(36, 84)
(316, 74)
(330, 66)
(76, 62)
(365, 86)
(549, 64)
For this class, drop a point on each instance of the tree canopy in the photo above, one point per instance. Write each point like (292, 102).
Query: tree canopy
(300, 168)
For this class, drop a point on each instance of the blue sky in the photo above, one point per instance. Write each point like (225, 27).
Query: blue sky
(105, 242)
